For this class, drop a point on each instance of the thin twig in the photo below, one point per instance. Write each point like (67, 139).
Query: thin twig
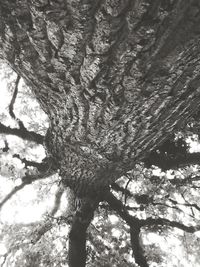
(11, 106)
(27, 179)
(12, 193)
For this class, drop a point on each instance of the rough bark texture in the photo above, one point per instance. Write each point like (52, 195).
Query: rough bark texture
(115, 77)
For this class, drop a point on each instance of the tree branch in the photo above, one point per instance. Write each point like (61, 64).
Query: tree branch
(77, 236)
(193, 205)
(121, 189)
(48, 224)
(188, 180)
(165, 222)
(11, 106)
(12, 193)
(138, 252)
(57, 200)
(27, 179)
(165, 162)
(41, 230)
(5, 256)
(118, 206)
(6, 147)
(135, 227)
(41, 166)
(136, 224)
(22, 133)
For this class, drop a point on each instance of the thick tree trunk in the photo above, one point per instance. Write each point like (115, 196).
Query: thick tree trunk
(115, 77)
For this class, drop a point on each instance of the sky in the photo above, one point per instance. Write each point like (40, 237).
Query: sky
(28, 212)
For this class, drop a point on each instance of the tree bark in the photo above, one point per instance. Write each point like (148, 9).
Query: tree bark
(115, 77)
(82, 211)
(78, 233)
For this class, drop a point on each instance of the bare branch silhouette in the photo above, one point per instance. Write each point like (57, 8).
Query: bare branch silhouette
(27, 179)
(22, 133)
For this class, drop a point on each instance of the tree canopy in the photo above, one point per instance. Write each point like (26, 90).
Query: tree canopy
(104, 109)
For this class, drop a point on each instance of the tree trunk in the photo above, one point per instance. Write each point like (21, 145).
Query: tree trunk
(115, 77)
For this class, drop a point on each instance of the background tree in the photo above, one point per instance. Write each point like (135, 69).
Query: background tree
(119, 82)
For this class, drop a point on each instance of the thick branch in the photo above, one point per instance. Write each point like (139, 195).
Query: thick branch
(166, 222)
(77, 235)
(22, 133)
(41, 166)
(138, 252)
(135, 226)
(118, 206)
(187, 180)
(178, 161)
